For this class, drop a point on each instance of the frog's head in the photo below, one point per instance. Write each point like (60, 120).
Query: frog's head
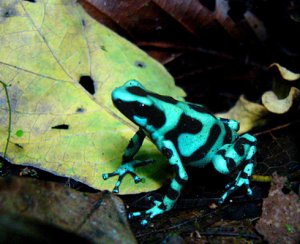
(134, 101)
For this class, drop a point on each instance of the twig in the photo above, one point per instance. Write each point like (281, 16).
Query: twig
(276, 128)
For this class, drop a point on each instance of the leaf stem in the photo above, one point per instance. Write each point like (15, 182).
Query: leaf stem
(9, 117)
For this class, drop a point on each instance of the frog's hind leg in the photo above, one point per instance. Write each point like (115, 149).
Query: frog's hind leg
(239, 154)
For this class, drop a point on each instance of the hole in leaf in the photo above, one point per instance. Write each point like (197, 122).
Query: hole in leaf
(60, 127)
(140, 64)
(83, 22)
(32, 1)
(18, 145)
(80, 110)
(8, 12)
(88, 84)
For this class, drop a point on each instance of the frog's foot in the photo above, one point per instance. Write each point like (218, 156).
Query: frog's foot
(147, 215)
(126, 168)
(233, 186)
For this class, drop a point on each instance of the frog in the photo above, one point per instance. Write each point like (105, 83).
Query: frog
(187, 134)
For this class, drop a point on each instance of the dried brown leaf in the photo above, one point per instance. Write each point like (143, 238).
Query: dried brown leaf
(173, 21)
(280, 218)
(97, 217)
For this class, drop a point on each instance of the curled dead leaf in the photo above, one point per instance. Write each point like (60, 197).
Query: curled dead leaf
(281, 106)
(248, 113)
(285, 73)
(252, 115)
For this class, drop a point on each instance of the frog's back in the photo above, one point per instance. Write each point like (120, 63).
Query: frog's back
(198, 134)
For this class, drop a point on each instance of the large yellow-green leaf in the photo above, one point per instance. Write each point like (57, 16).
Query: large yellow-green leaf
(56, 124)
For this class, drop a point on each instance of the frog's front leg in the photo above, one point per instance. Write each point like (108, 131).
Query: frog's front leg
(231, 123)
(128, 163)
(238, 154)
(174, 190)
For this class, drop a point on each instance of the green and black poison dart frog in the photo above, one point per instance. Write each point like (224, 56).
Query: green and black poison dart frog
(188, 135)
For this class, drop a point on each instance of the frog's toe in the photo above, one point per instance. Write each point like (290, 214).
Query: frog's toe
(105, 176)
(223, 198)
(232, 187)
(116, 189)
(249, 191)
(144, 222)
(132, 215)
(149, 214)
(108, 175)
(118, 183)
(153, 200)
(221, 201)
(136, 178)
(229, 185)
(146, 218)
(228, 192)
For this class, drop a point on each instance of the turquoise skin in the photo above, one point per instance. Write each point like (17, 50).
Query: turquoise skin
(188, 135)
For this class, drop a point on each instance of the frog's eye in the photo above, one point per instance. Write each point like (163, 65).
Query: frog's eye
(141, 110)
